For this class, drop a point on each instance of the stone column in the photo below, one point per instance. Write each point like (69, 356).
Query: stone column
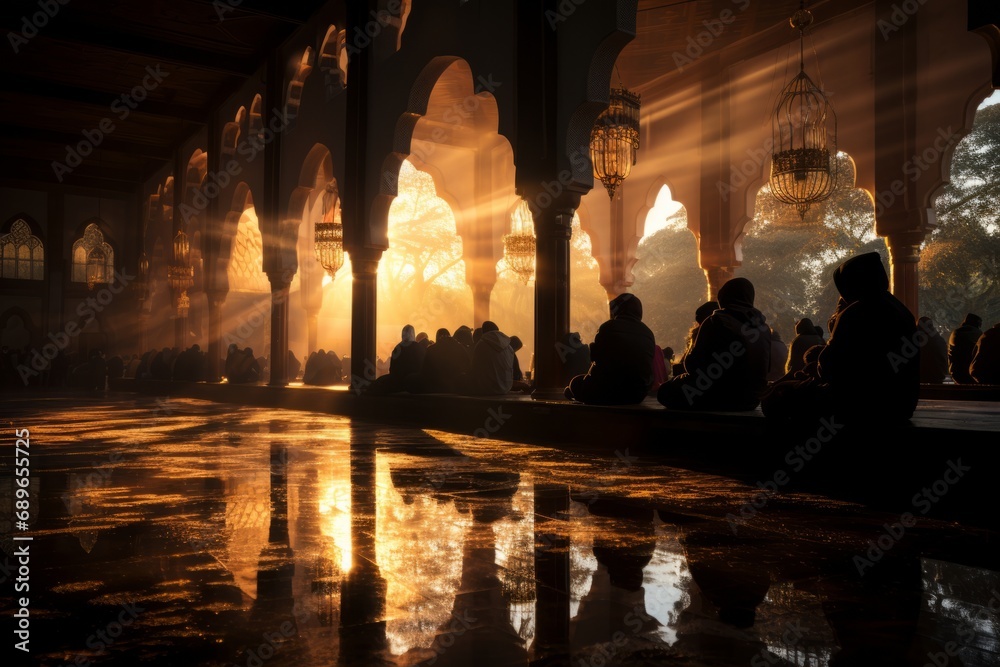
(904, 258)
(553, 227)
(481, 303)
(717, 277)
(279, 328)
(213, 370)
(364, 314)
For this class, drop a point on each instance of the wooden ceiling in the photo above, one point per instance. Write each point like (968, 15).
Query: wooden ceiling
(67, 77)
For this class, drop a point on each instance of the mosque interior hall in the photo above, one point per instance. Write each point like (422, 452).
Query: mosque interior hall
(399, 333)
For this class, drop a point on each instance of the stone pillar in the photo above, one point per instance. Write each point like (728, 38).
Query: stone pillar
(213, 369)
(553, 228)
(904, 258)
(717, 277)
(481, 303)
(312, 329)
(364, 314)
(279, 328)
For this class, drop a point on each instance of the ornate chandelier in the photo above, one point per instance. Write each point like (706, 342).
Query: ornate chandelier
(614, 139)
(329, 234)
(804, 132)
(519, 245)
(180, 273)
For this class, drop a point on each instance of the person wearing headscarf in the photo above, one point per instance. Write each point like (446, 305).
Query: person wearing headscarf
(406, 361)
(446, 361)
(700, 315)
(870, 368)
(961, 348)
(806, 336)
(985, 367)
(621, 369)
(727, 366)
(575, 356)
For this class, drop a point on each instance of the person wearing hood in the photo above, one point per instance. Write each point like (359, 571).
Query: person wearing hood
(700, 315)
(727, 366)
(870, 367)
(985, 367)
(961, 348)
(446, 361)
(621, 355)
(492, 363)
(406, 361)
(805, 337)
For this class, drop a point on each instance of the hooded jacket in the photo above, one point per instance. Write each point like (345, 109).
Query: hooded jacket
(871, 361)
(805, 337)
(732, 350)
(622, 351)
(493, 364)
(962, 347)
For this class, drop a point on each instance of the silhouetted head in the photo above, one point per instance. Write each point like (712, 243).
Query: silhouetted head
(409, 334)
(805, 326)
(704, 310)
(422, 336)
(736, 293)
(861, 276)
(490, 326)
(515, 343)
(441, 334)
(972, 320)
(463, 335)
(668, 354)
(626, 307)
(476, 335)
(775, 335)
(819, 330)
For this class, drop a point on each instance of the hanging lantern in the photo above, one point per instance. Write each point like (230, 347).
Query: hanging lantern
(614, 139)
(804, 132)
(519, 245)
(329, 234)
(97, 263)
(180, 273)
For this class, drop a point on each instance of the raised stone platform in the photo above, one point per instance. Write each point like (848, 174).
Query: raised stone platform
(878, 465)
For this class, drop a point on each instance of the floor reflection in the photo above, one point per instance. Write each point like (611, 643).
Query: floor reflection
(241, 536)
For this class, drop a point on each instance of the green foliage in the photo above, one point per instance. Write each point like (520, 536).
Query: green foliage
(669, 282)
(960, 260)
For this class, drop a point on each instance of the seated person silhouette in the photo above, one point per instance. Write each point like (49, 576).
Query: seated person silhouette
(985, 368)
(727, 366)
(492, 371)
(962, 347)
(621, 369)
(870, 367)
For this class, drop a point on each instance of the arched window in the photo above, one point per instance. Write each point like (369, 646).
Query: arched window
(92, 257)
(23, 253)
(245, 272)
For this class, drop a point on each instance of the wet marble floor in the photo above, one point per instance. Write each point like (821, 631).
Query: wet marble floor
(184, 532)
